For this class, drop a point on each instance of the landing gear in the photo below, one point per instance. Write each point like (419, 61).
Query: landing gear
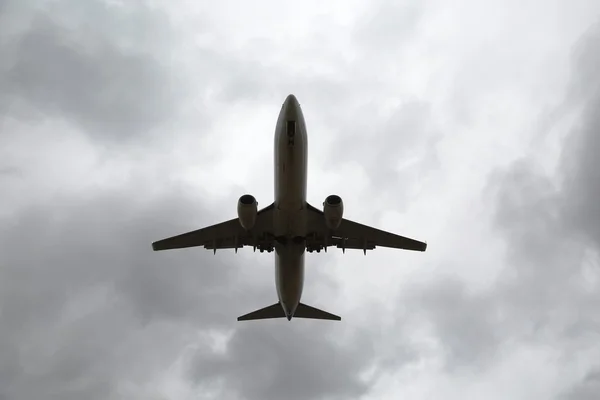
(316, 248)
(268, 249)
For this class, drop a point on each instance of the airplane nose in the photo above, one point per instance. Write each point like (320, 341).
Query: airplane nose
(291, 107)
(291, 100)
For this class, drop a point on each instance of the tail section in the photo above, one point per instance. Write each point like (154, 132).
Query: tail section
(304, 311)
(274, 311)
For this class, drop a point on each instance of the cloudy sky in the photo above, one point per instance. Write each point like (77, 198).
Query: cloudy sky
(470, 124)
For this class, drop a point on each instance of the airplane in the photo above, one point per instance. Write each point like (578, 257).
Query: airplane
(290, 226)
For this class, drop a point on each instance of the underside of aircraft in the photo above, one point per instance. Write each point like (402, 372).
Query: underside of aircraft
(290, 226)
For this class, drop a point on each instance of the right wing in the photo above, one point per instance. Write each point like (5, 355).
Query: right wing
(226, 235)
(352, 235)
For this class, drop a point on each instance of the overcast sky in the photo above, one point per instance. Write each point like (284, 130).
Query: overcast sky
(470, 124)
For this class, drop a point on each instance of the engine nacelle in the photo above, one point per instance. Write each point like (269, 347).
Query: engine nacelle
(333, 208)
(247, 210)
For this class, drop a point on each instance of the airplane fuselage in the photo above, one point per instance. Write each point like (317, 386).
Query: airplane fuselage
(291, 149)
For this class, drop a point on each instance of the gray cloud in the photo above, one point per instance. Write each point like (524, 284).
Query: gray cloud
(468, 325)
(90, 63)
(587, 389)
(387, 25)
(545, 293)
(549, 226)
(87, 309)
(267, 361)
(73, 302)
(92, 308)
(584, 83)
(580, 162)
(9, 171)
(407, 132)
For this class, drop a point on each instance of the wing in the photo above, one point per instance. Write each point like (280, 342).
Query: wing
(352, 235)
(226, 235)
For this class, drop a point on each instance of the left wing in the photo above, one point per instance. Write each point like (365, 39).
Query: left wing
(352, 235)
(226, 235)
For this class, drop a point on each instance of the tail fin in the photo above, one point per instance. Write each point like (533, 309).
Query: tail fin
(274, 311)
(304, 311)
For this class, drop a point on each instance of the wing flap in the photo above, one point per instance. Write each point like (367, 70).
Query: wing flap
(352, 243)
(352, 235)
(379, 237)
(221, 233)
(225, 235)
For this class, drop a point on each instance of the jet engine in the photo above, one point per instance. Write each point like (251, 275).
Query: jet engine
(333, 208)
(247, 210)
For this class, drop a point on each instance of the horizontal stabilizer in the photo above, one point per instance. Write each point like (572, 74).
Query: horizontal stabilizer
(274, 311)
(304, 311)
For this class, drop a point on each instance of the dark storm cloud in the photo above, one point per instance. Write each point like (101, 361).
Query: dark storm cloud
(548, 226)
(91, 308)
(587, 389)
(86, 307)
(90, 63)
(79, 278)
(293, 361)
(468, 324)
(543, 294)
(581, 164)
